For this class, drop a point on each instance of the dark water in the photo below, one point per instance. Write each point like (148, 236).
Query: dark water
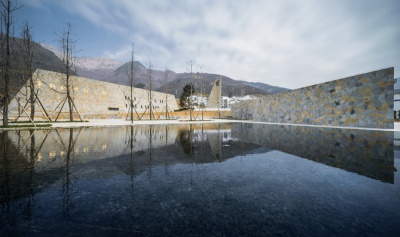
(199, 180)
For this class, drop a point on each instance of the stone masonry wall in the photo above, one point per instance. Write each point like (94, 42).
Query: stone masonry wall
(214, 100)
(93, 99)
(364, 100)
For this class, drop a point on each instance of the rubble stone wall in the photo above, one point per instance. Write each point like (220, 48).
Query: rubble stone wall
(364, 100)
(93, 99)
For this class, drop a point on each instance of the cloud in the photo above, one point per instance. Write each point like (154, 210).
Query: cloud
(286, 43)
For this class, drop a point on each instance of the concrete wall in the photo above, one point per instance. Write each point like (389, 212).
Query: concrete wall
(93, 99)
(364, 100)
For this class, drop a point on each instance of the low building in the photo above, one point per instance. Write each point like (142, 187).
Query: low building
(199, 100)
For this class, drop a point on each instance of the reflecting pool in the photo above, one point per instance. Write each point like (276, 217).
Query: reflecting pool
(235, 179)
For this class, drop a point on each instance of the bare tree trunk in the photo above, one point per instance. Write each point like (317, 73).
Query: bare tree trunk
(132, 75)
(191, 90)
(7, 21)
(67, 72)
(166, 91)
(67, 46)
(69, 99)
(27, 50)
(149, 71)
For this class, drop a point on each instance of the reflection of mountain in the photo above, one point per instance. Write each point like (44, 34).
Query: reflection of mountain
(369, 153)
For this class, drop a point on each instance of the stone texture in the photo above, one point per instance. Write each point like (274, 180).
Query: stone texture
(93, 99)
(364, 100)
(214, 100)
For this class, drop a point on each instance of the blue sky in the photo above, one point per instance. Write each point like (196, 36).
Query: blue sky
(288, 43)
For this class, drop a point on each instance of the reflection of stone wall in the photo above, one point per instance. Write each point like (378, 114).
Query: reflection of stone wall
(92, 143)
(94, 99)
(364, 100)
(96, 143)
(369, 153)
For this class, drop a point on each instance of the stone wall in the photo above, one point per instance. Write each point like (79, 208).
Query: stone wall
(93, 99)
(364, 100)
(214, 100)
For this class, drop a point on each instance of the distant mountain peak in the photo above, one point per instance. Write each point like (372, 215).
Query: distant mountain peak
(92, 63)
(53, 49)
(87, 63)
(106, 69)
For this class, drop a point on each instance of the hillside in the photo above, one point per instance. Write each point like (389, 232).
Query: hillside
(203, 84)
(176, 81)
(95, 68)
(107, 70)
(42, 58)
(267, 88)
(110, 71)
(120, 76)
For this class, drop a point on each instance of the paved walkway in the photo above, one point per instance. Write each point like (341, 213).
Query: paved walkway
(122, 122)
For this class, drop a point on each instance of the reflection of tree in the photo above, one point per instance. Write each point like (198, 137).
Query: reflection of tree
(6, 174)
(32, 156)
(185, 138)
(166, 144)
(17, 173)
(68, 186)
(150, 148)
(132, 161)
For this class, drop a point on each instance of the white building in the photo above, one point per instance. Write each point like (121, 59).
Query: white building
(228, 101)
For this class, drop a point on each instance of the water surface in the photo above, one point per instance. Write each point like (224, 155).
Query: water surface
(199, 180)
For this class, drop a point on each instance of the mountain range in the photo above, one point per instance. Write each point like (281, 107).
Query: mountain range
(107, 70)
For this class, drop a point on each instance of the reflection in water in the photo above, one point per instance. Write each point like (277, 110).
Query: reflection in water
(31, 154)
(134, 176)
(16, 177)
(35, 153)
(68, 178)
(366, 152)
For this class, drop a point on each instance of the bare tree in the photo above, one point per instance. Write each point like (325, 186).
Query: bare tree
(67, 46)
(191, 91)
(7, 10)
(27, 47)
(132, 77)
(166, 73)
(150, 96)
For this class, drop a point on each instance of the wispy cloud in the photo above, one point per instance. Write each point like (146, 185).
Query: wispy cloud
(285, 43)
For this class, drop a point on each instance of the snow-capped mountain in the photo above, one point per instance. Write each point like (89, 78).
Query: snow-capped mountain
(95, 68)
(91, 63)
(105, 69)
(90, 67)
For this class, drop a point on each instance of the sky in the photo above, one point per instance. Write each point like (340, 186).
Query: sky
(288, 43)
